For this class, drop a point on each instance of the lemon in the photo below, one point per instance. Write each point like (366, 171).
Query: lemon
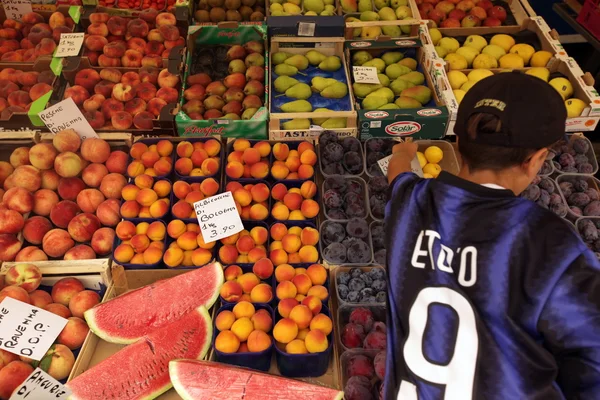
(511, 61)
(478, 74)
(539, 72)
(504, 41)
(456, 79)
(432, 169)
(467, 85)
(434, 154)
(456, 61)
(427, 176)
(563, 86)
(459, 94)
(477, 42)
(484, 61)
(574, 108)
(436, 36)
(421, 158)
(540, 58)
(523, 50)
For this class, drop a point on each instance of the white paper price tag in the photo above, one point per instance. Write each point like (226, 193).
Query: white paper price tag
(15, 9)
(365, 75)
(69, 45)
(414, 166)
(306, 28)
(218, 217)
(40, 386)
(26, 330)
(66, 115)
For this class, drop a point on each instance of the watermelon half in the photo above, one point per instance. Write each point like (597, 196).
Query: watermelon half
(204, 380)
(141, 370)
(129, 317)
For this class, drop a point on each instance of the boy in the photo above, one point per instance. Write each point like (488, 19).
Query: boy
(490, 296)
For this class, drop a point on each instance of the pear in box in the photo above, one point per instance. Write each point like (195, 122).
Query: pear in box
(409, 62)
(296, 124)
(296, 106)
(414, 77)
(320, 121)
(389, 106)
(299, 91)
(298, 61)
(386, 14)
(370, 32)
(287, 70)
(279, 57)
(361, 57)
(392, 57)
(283, 83)
(369, 16)
(333, 123)
(399, 85)
(373, 102)
(395, 71)
(392, 31)
(356, 31)
(314, 5)
(349, 6)
(377, 63)
(335, 91)
(384, 80)
(420, 93)
(383, 92)
(330, 64)
(315, 57)
(319, 83)
(362, 90)
(365, 5)
(407, 102)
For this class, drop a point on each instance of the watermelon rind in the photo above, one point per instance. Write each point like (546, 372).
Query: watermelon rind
(205, 316)
(91, 318)
(180, 387)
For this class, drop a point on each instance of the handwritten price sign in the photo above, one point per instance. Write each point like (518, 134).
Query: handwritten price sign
(40, 386)
(69, 45)
(15, 9)
(218, 217)
(66, 115)
(26, 330)
(365, 75)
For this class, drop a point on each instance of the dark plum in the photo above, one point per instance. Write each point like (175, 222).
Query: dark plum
(559, 209)
(377, 273)
(381, 297)
(379, 285)
(355, 210)
(581, 146)
(380, 256)
(581, 159)
(566, 188)
(355, 390)
(592, 209)
(576, 210)
(333, 169)
(379, 364)
(336, 214)
(356, 284)
(332, 199)
(581, 185)
(356, 272)
(375, 144)
(358, 228)
(578, 200)
(547, 185)
(566, 160)
(343, 291)
(343, 278)
(351, 144)
(378, 184)
(593, 194)
(353, 335)
(335, 253)
(372, 158)
(353, 297)
(544, 198)
(585, 168)
(333, 232)
(352, 162)
(338, 183)
(367, 279)
(531, 193)
(359, 252)
(360, 365)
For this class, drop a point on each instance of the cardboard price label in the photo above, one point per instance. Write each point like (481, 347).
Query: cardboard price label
(66, 115)
(15, 9)
(218, 217)
(69, 45)
(365, 75)
(40, 386)
(26, 330)
(306, 28)
(415, 167)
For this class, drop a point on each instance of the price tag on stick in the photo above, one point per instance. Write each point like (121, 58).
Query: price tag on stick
(66, 115)
(40, 386)
(69, 45)
(27, 330)
(218, 217)
(365, 75)
(15, 9)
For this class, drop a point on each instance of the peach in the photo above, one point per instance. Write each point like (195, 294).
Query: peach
(95, 118)
(301, 315)
(231, 291)
(38, 90)
(9, 247)
(117, 162)
(248, 281)
(31, 253)
(27, 177)
(286, 290)
(168, 94)
(83, 301)
(19, 156)
(155, 106)
(95, 150)
(16, 293)
(40, 298)
(61, 361)
(98, 28)
(111, 74)
(12, 376)
(308, 254)
(302, 283)
(74, 333)
(68, 188)
(108, 212)
(132, 59)
(82, 227)
(35, 228)
(149, 75)
(68, 164)
(285, 330)
(227, 342)
(5, 171)
(224, 320)
(117, 26)
(63, 212)
(87, 78)
(108, 62)
(112, 184)
(65, 289)
(232, 272)
(18, 199)
(80, 252)
(25, 276)
(167, 79)
(11, 221)
(57, 242)
(102, 241)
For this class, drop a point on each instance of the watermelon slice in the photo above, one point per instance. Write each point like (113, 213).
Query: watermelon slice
(127, 318)
(140, 370)
(204, 380)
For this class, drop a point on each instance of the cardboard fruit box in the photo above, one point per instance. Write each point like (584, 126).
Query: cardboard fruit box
(94, 274)
(302, 46)
(223, 34)
(427, 122)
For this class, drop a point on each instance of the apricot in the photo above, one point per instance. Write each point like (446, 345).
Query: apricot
(162, 188)
(243, 197)
(286, 290)
(308, 254)
(224, 320)
(181, 189)
(227, 342)
(248, 281)
(261, 293)
(125, 230)
(228, 254)
(317, 274)
(242, 328)
(279, 171)
(295, 230)
(243, 309)
(231, 239)
(284, 272)
(182, 209)
(201, 257)
(308, 157)
(262, 320)
(123, 253)
(258, 341)
(281, 151)
(259, 234)
(291, 243)
(296, 346)
(234, 169)
(309, 236)
(278, 231)
(232, 272)
(199, 239)
(301, 315)
(231, 291)
(263, 147)
(321, 322)
(176, 228)
(209, 187)
(319, 292)
(280, 212)
(313, 303)
(263, 268)
(245, 244)
(156, 231)
(285, 330)
(308, 190)
(302, 283)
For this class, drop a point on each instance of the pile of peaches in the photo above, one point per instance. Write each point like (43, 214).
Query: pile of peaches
(63, 198)
(68, 299)
(32, 37)
(137, 4)
(18, 89)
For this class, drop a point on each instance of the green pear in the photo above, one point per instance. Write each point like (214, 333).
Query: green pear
(365, 5)
(319, 121)
(409, 62)
(299, 91)
(379, 4)
(394, 71)
(284, 69)
(298, 61)
(314, 5)
(377, 63)
(333, 123)
(383, 92)
(335, 91)
(349, 6)
(420, 93)
(369, 16)
(370, 32)
(361, 57)
(327, 13)
(329, 2)
(356, 31)
(392, 57)
(373, 102)
(403, 12)
(330, 7)
(311, 13)
(407, 102)
(331, 64)
(319, 83)
(414, 77)
(296, 106)
(386, 13)
(292, 9)
(392, 31)
(397, 3)
(389, 106)
(249, 113)
(283, 83)
(384, 80)
(296, 124)
(405, 28)
(278, 13)
(362, 90)
(315, 57)
(399, 85)
(279, 57)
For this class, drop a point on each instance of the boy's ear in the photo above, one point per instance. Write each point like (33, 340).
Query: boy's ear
(535, 162)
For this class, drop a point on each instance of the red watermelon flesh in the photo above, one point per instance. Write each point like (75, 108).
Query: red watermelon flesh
(141, 370)
(127, 318)
(204, 380)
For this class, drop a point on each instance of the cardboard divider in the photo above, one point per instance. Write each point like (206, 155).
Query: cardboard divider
(276, 130)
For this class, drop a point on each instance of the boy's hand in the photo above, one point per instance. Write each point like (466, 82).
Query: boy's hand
(403, 154)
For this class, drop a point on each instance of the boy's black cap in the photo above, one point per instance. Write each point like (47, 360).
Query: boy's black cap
(533, 113)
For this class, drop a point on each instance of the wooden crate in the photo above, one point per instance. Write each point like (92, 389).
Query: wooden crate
(92, 273)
